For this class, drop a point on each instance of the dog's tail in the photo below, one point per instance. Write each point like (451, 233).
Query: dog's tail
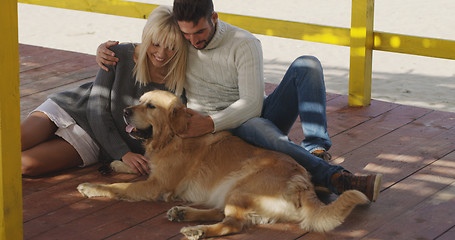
(324, 218)
(319, 217)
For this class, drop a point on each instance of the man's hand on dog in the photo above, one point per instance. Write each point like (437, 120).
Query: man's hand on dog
(198, 125)
(137, 162)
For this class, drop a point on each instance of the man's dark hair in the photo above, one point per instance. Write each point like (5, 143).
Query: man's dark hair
(192, 10)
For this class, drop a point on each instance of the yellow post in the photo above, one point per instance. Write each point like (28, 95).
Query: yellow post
(10, 171)
(361, 52)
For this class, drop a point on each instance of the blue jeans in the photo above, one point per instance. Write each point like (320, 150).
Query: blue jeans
(300, 93)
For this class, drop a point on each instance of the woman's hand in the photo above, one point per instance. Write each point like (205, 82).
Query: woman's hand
(104, 56)
(137, 162)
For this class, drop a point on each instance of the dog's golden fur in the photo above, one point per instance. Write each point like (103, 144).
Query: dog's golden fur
(241, 184)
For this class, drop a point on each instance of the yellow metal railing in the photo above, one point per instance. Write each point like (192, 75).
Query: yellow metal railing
(10, 172)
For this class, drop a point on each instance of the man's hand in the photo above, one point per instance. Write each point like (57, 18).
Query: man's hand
(137, 162)
(104, 56)
(198, 125)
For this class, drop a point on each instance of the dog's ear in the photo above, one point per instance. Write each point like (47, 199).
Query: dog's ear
(178, 119)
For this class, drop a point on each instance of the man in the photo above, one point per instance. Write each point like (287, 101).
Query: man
(224, 88)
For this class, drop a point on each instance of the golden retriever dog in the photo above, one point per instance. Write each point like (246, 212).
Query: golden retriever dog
(241, 184)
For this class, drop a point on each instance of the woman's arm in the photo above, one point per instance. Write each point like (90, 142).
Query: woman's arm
(103, 125)
(100, 118)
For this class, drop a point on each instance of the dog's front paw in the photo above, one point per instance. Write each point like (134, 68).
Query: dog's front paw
(193, 233)
(88, 189)
(176, 214)
(121, 167)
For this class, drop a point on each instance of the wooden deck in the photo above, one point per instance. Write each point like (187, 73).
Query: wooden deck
(413, 147)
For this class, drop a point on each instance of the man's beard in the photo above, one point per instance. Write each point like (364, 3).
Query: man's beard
(200, 48)
(206, 42)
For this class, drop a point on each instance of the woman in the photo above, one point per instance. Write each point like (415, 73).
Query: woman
(80, 126)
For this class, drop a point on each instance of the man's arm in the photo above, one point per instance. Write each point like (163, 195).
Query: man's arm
(249, 69)
(249, 64)
(104, 56)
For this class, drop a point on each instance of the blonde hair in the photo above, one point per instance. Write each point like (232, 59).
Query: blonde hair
(162, 29)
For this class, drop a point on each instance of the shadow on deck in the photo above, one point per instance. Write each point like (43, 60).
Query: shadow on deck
(413, 147)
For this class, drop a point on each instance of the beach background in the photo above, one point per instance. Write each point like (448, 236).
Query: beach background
(399, 78)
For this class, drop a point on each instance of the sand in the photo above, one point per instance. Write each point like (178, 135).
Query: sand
(400, 78)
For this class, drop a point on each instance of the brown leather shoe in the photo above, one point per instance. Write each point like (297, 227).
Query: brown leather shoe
(323, 154)
(368, 185)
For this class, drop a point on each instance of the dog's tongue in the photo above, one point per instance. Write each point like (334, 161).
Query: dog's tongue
(129, 128)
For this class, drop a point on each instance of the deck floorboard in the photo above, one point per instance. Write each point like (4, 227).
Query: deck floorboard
(413, 147)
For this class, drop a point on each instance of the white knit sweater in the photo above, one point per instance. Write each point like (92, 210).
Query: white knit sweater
(225, 80)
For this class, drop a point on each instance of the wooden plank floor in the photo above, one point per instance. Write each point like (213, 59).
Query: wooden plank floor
(413, 147)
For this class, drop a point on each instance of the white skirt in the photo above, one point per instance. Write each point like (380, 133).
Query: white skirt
(71, 132)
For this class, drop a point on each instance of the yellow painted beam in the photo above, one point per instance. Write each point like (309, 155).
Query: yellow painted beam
(10, 158)
(428, 47)
(113, 7)
(289, 29)
(361, 52)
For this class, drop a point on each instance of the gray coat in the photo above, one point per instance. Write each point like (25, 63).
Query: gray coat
(98, 106)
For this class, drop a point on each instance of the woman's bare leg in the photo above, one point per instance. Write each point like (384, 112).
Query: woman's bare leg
(49, 156)
(42, 151)
(35, 129)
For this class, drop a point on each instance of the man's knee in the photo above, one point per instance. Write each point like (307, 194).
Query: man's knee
(310, 71)
(308, 64)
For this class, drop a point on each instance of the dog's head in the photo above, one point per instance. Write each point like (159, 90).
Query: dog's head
(157, 118)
